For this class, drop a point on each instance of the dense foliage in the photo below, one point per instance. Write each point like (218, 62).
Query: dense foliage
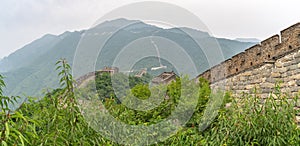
(106, 84)
(60, 118)
(254, 121)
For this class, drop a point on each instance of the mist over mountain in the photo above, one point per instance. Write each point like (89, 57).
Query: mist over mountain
(29, 53)
(31, 69)
(252, 40)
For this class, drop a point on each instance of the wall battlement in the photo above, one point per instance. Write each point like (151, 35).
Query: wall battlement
(266, 51)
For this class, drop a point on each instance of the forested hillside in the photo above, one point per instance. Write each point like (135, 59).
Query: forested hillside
(29, 71)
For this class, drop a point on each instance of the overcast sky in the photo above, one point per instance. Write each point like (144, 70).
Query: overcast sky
(22, 21)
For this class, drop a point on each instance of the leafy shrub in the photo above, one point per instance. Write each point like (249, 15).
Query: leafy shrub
(141, 91)
(15, 128)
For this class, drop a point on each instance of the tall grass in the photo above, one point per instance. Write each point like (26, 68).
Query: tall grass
(251, 120)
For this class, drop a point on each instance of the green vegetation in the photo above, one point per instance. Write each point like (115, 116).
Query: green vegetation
(104, 84)
(16, 126)
(253, 121)
(58, 119)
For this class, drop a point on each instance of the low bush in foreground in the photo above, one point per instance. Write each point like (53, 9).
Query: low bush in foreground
(251, 120)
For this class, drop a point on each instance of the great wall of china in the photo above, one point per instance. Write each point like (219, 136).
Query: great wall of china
(274, 60)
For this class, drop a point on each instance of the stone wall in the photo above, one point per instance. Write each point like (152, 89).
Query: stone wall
(259, 68)
(84, 78)
(268, 50)
(275, 59)
(284, 70)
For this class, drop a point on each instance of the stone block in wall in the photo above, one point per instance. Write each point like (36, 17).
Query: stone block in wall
(298, 103)
(286, 64)
(287, 58)
(291, 83)
(285, 90)
(239, 92)
(295, 77)
(234, 84)
(275, 97)
(267, 85)
(249, 87)
(264, 74)
(295, 61)
(230, 84)
(297, 119)
(296, 71)
(284, 75)
(227, 88)
(293, 67)
(234, 79)
(278, 64)
(285, 80)
(289, 73)
(297, 55)
(255, 72)
(240, 87)
(251, 77)
(242, 78)
(294, 89)
(248, 82)
(266, 90)
(264, 96)
(298, 82)
(283, 85)
(279, 70)
(263, 79)
(275, 75)
(257, 81)
(268, 66)
(247, 73)
(271, 80)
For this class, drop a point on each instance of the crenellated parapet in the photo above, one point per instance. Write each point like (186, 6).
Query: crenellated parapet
(83, 78)
(265, 52)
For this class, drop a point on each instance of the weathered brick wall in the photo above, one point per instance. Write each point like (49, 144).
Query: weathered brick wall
(88, 76)
(259, 68)
(274, 59)
(284, 70)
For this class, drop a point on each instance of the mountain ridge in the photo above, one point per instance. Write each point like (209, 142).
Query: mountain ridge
(35, 69)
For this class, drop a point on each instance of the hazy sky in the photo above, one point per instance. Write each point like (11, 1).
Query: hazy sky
(22, 21)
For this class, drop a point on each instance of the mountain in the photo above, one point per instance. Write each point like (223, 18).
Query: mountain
(37, 71)
(31, 69)
(29, 53)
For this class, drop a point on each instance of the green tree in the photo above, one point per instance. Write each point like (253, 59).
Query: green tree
(16, 128)
(141, 91)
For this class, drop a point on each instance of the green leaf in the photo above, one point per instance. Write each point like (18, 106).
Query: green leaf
(58, 62)
(4, 143)
(22, 140)
(58, 67)
(7, 131)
